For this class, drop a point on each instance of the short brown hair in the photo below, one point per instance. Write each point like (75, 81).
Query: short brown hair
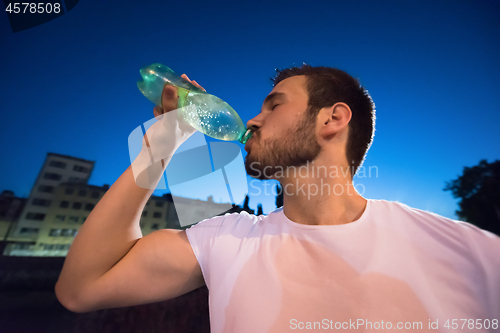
(327, 86)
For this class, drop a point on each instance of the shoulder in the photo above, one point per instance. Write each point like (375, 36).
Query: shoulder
(443, 229)
(230, 223)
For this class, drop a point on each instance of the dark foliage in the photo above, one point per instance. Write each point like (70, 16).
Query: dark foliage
(479, 190)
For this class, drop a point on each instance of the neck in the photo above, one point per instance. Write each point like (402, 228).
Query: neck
(321, 195)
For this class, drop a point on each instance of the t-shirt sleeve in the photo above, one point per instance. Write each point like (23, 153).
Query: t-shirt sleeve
(203, 235)
(486, 249)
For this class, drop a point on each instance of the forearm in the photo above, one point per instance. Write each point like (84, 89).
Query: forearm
(112, 228)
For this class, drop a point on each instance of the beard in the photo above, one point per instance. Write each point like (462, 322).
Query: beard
(294, 149)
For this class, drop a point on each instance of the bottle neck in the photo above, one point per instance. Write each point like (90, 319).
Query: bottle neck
(246, 136)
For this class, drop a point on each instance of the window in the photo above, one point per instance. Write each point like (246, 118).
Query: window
(52, 176)
(48, 247)
(144, 213)
(35, 216)
(29, 230)
(69, 190)
(159, 203)
(155, 226)
(84, 218)
(77, 205)
(156, 214)
(55, 232)
(21, 246)
(89, 206)
(80, 168)
(76, 180)
(45, 189)
(95, 194)
(66, 232)
(61, 247)
(40, 202)
(73, 219)
(64, 204)
(57, 164)
(60, 218)
(82, 193)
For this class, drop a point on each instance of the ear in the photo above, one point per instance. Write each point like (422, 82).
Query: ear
(333, 120)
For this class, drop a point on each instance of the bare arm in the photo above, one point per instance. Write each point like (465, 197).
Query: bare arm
(110, 264)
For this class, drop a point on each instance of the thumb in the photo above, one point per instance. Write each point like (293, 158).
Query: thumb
(169, 98)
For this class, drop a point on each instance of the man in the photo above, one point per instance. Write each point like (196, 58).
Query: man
(333, 260)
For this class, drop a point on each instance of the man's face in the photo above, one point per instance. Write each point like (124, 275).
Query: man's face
(286, 134)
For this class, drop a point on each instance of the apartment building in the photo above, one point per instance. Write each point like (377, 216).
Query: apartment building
(61, 200)
(10, 211)
(56, 169)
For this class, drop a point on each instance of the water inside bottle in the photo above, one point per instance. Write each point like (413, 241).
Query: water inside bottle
(212, 116)
(209, 114)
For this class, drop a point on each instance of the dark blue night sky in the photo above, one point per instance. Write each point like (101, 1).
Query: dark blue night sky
(432, 68)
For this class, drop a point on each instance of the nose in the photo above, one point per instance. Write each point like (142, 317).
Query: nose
(255, 123)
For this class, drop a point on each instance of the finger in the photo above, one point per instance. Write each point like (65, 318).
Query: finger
(169, 98)
(196, 84)
(185, 77)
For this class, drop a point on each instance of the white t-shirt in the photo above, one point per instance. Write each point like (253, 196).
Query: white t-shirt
(395, 265)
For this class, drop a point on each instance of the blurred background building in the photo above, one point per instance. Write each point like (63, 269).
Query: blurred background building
(60, 201)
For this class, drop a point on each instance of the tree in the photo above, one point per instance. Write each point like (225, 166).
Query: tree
(260, 211)
(279, 196)
(479, 190)
(246, 207)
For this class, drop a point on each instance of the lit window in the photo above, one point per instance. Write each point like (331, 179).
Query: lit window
(55, 232)
(66, 232)
(60, 218)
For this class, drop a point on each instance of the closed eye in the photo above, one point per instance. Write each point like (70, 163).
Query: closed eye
(275, 105)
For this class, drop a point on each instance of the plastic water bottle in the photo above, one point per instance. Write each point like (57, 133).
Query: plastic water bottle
(210, 114)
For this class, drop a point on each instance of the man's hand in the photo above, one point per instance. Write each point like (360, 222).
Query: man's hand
(110, 262)
(169, 102)
(169, 98)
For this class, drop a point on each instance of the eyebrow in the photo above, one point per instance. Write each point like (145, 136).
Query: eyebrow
(273, 96)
